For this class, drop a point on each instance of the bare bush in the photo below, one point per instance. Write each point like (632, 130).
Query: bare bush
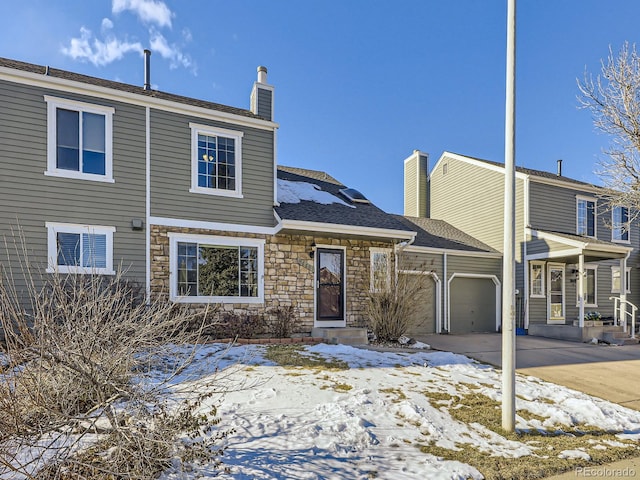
(391, 305)
(284, 321)
(81, 393)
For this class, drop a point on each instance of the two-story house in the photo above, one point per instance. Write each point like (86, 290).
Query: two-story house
(187, 198)
(573, 251)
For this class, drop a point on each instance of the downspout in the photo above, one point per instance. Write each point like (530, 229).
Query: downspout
(445, 306)
(397, 248)
(148, 204)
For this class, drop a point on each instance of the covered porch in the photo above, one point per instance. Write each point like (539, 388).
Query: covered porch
(576, 287)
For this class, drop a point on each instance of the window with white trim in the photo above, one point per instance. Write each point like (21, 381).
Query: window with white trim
(79, 249)
(586, 216)
(216, 269)
(380, 269)
(590, 287)
(620, 224)
(79, 140)
(216, 161)
(615, 279)
(536, 279)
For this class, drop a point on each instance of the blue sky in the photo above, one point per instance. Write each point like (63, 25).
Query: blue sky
(359, 84)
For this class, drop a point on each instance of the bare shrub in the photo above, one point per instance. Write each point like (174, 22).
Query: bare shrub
(284, 321)
(391, 305)
(81, 391)
(237, 324)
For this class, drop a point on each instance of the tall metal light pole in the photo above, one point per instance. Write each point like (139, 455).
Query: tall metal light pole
(508, 266)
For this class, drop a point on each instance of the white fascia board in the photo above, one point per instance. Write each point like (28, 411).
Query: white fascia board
(570, 185)
(457, 253)
(477, 163)
(64, 85)
(223, 227)
(347, 229)
(557, 254)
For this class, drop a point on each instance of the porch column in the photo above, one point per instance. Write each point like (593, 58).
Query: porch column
(623, 291)
(581, 290)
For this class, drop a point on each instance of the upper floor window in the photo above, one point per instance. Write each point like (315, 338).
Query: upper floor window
(79, 140)
(586, 217)
(216, 161)
(79, 248)
(216, 269)
(380, 269)
(536, 277)
(620, 224)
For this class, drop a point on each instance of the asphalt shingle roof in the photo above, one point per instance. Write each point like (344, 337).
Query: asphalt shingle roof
(581, 238)
(439, 234)
(532, 172)
(124, 87)
(356, 215)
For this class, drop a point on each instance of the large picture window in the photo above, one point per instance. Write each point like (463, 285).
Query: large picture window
(221, 269)
(79, 143)
(216, 164)
(79, 248)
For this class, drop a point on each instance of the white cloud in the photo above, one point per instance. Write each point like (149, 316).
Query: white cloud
(148, 11)
(186, 34)
(107, 25)
(98, 52)
(171, 52)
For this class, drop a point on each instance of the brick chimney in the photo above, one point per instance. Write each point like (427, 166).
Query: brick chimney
(262, 96)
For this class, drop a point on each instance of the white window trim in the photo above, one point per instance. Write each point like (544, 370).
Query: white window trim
(52, 247)
(627, 227)
(595, 214)
(53, 103)
(595, 287)
(174, 238)
(196, 129)
(617, 290)
(372, 252)
(543, 278)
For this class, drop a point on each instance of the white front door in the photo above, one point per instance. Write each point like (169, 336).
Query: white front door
(555, 293)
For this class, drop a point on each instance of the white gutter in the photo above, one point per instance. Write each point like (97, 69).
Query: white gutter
(460, 253)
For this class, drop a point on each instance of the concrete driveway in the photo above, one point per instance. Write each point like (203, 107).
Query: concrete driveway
(608, 372)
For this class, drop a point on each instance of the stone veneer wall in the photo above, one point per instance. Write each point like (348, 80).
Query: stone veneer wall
(288, 271)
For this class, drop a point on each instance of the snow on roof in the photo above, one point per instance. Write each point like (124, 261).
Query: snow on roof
(295, 192)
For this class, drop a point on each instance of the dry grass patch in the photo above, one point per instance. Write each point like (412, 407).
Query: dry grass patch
(477, 408)
(290, 356)
(399, 394)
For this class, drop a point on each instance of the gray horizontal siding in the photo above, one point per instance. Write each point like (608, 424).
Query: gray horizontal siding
(474, 265)
(265, 100)
(29, 198)
(171, 175)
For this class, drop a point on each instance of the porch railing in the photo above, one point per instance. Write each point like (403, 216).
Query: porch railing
(617, 303)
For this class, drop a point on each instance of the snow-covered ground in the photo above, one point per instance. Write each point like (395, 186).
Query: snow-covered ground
(365, 422)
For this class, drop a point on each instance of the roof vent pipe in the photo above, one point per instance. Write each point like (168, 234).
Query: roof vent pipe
(559, 168)
(147, 69)
(262, 74)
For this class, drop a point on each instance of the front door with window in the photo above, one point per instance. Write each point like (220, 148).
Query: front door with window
(555, 295)
(330, 286)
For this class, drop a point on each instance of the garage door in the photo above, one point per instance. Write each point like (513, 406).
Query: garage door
(423, 321)
(473, 305)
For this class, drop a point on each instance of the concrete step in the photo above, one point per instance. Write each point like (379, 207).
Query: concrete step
(342, 336)
(619, 338)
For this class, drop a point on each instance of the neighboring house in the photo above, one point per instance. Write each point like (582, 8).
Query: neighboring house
(571, 246)
(186, 196)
